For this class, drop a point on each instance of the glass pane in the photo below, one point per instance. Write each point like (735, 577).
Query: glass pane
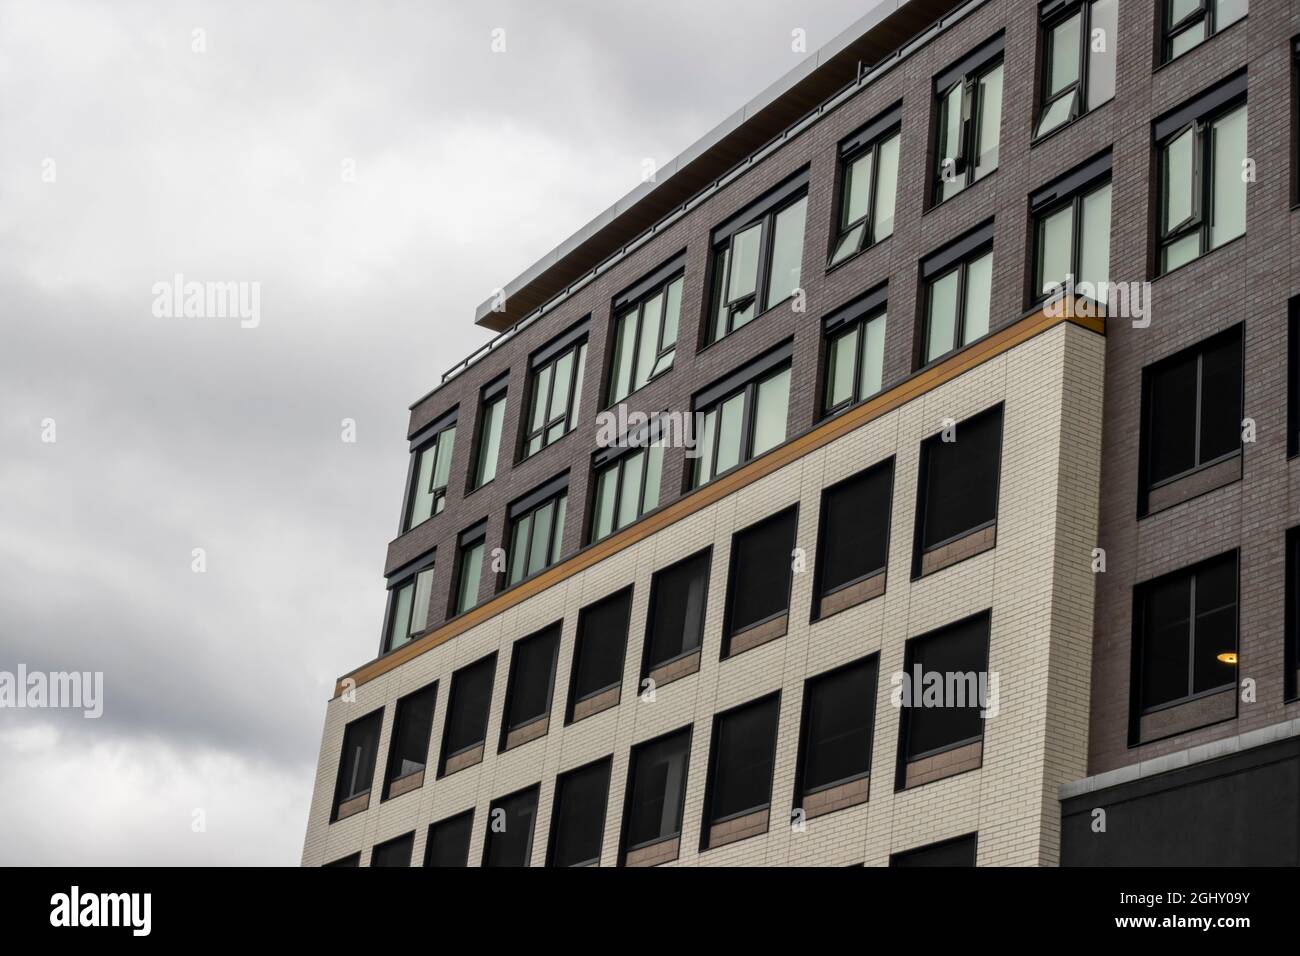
(770, 415)
(1056, 113)
(399, 631)
(1104, 28)
(541, 395)
(649, 347)
(621, 383)
(653, 477)
(539, 546)
(1228, 12)
(663, 363)
(672, 311)
(1187, 40)
(487, 467)
(519, 548)
(951, 177)
(704, 446)
(1181, 8)
(742, 316)
(1172, 409)
(942, 327)
(886, 189)
(857, 188)
(979, 288)
(787, 253)
(719, 277)
(1228, 142)
(560, 391)
(557, 539)
(849, 244)
(839, 370)
(422, 493)
(630, 500)
(1063, 55)
(731, 417)
(420, 603)
(1094, 257)
(744, 265)
(602, 522)
(1182, 251)
(446, 443)
(471, 569)
(873, 358)
(1055, 237)
(990, 121)
(579, 367)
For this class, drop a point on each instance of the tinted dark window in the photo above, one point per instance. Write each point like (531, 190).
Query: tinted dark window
(761, 556)
(959, 480)
(411, 729)
(532, 676)
(1193, 407)
(449, 841)
(853, 541)
(393, 853)
(958, 852)
(600, 646)
(657, 789)
(839, 711)
(1188, 636)
(509, 839)
(959, 655)
(677, 603)
(578, 819)
(346, 862)
(357, 761)
(467, 708)
(1291, 655)
(744, 750)
(1293, 367)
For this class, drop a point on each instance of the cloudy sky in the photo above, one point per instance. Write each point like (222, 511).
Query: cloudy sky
(379, 171)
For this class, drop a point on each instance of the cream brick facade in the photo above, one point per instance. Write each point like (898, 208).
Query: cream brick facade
(1037, 581)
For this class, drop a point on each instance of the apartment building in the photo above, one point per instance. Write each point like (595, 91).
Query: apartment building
(981, 329)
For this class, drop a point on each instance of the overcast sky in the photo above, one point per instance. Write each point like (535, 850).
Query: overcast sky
(128, 156)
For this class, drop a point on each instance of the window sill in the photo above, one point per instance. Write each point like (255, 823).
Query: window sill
(652, 854)
(683, 666)
(1180, 718)
(738, 828)
(412, 781)
(350, 808)
(462, 761)
(851, 596)
(597, 703)
(525, 733)
(851, 793)
(1193, 485)
(757, 635)
(958, 550)
(946, 763)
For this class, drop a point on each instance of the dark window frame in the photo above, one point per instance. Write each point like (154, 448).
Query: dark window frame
(1292, 378)
(867, 140)
(580, 641)
(1291, 652)
(571, 343)
(1070, 191)
(705, 557)
(488, 660)
(495, 391)
(554, 492)
(468, 816)
(1206, 13)
(428, 439)
(849, 319)
(535, 791)
(958, 256)
(407, 700)
(1050, 16)
(554, 836)
(469, 539)
(616, 458)
(707, 821)
(888, 464)
(938, 846)
(790, 512)
(966, 73)
(399, 579)
(801, 788)
(632, 303)
(375, 717)
(624, 846)
(552, 632)
(408, 838)
(746, 381)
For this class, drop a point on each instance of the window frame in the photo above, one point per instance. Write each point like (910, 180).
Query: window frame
(394, 739)
(1052, 15)
(629, 792)
(957, 256)
(632, 302)
(406, 576)
(868, 140)
(967, 74)
(746, 382)
(1068, 191)
(1291, 590)
(1292, 378)
(801, 789)
(523, 793)
(729, 633)
(763, 214)
(552, 632)
(553, 837)
(466, 542)
(644, 442)
(580, 640)
(429, 439)
(555, 494)
(572, 343)
(405, 838)
(468, 816)
(852, 318)
(495, 391)
(819, 594)
(1206, 12)
(705, 558)
(487, 661)
(358, 726)
(707, 820)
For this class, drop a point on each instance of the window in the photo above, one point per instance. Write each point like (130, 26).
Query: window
(853, 539)
(1202, 157)
(656, 794)
(744, 415)
(1191, 417)
(675, 629)
(492, 416)
(1291, 654)
(431, 453)
(1072, 232)
(1078, 65)
(958, 494)
(968, 115)
(757, 257)
(739, 792)
(1189, 23)
(408, 603)
(855, 352)
(958, 287)
(597, 678)
(868, 186)
(409, 748)
(578, 819)
(396, 852)
(1187, 634)
(944, 691)
(758, 588)
(1293, 380)
(537, 530)
(529, 688)
(956, 852)
(467, 715)
(555, 390)
(469, 568)
(448, 843)
(645, 330)
(628, 476)
(357, 765)
(509, 839)
(835, 738)
(347, 862)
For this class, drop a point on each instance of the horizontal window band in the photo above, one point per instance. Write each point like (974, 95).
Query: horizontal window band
(959, 249)
(431, 431)
(560, 344)
(744, 375)
(412, 568)
(872, 301)
(660, 276)
(496, 388)
(1072, 182)
(534, 498)
(774, 197)
(793, 449)
(873, 131)
(977, 58)
(1204, 105)
(474, 535)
